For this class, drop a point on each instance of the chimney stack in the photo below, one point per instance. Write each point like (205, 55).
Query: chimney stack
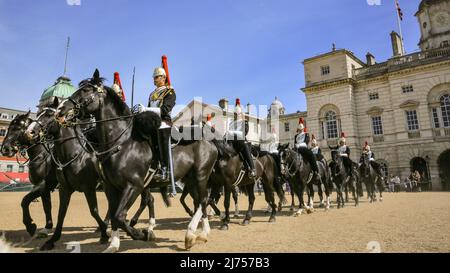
(397, 44)
(370, 59)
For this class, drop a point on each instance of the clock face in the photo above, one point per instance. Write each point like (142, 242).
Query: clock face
(442, 19)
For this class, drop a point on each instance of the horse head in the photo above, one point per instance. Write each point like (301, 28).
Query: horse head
(87, 100)
(15, 137)
(45, 124)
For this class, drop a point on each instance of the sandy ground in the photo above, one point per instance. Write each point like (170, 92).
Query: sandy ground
(403, 222)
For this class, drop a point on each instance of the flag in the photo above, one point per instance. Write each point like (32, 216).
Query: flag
(399, 10)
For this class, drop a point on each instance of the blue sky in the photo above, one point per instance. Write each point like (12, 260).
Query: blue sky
(252, 49)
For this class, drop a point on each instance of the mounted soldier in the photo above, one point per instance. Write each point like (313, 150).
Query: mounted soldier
(315, 149)
(375, 165)
(270, 145)
(344, 152)
(117, 86)
(237, 132)
(301, 143)
(161, 101)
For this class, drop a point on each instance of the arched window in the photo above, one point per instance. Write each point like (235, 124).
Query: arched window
(331, 125)
(445, 110)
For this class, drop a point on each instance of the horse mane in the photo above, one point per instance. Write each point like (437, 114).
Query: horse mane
(121, 105)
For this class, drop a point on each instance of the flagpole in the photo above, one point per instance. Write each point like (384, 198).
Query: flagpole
(67, 51)
(399, 24)
(132, 88)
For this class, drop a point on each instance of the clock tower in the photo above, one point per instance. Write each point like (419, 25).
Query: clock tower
(434, 20)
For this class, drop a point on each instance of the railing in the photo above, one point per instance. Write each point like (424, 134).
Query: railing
(397, 63)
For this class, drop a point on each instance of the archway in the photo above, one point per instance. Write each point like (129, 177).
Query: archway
(419, 164)
(444, 169)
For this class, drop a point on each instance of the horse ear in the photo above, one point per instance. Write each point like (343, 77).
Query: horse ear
(28, 114)
(55, 103)
(96, 77)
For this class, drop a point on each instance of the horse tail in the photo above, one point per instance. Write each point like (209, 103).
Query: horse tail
(243, 189)
(165, 196)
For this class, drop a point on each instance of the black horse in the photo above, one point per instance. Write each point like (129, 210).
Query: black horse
(230, 172)
(76, 169)
(368, 176)
(126, 157)
(324, 184)
(299, 173)
(342, 179)
(42, 172)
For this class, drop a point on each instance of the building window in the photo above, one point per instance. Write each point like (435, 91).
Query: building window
(2, 132)
(5, 116)
(445, 109)
(377, 126)
(407, 89)
(9, 168)
(412, 121)
(325, 70)
(373, 96)
(286, 127)
(435, 118)
(21, 169)
(331, 125)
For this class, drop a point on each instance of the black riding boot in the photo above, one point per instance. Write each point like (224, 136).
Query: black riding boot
(245, 151)
(163, 143)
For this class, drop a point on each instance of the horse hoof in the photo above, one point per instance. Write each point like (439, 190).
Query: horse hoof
(151, 236)
(246, 222)
(189, 240)
(224, 227)
(202, 237)
(111, 249)
(31, 229)
(272, 220)
(104, 240)
(133, 222)
(47, 246)
(146, 235)
(310, 210)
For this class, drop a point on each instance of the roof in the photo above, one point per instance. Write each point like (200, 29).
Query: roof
(425, 3)
(345, 51)
(62, 88)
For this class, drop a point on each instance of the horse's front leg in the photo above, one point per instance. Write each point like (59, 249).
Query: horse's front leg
(64, 199)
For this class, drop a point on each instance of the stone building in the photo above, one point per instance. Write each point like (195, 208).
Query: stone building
(401, 106)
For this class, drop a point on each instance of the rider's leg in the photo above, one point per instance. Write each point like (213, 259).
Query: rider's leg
(245, 151)
(163, 143)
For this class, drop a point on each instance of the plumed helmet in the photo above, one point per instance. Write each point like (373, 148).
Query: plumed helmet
(301, 124)
(238, 107)
(159, 71)
(342, 138)
(209, 120)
